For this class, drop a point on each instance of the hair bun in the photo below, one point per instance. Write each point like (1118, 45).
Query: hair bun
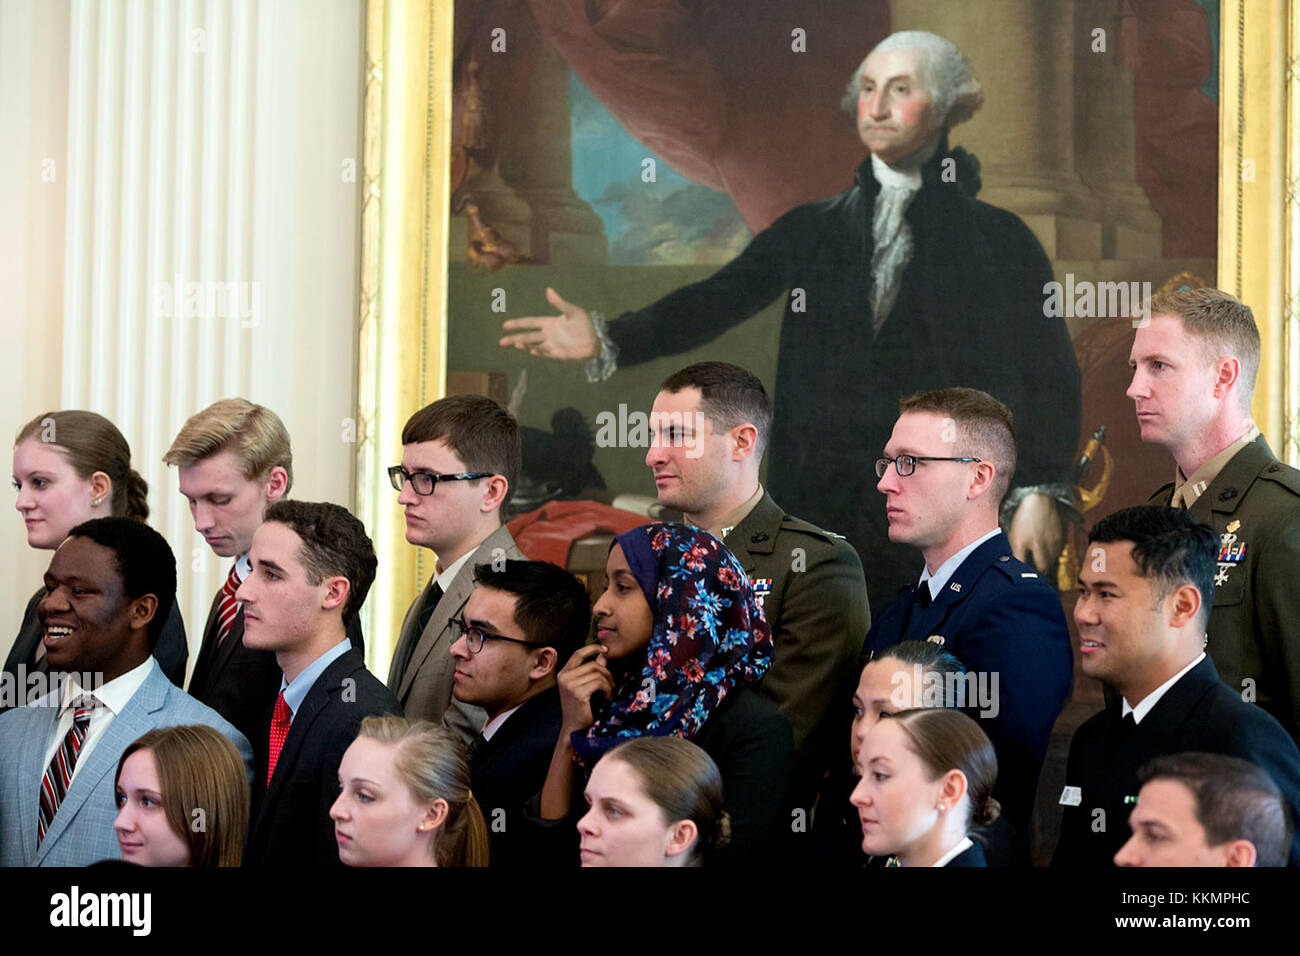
(722, 835)
(137, 492)
(988, 811)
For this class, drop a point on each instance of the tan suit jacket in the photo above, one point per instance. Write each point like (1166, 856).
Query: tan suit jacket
(424, 688)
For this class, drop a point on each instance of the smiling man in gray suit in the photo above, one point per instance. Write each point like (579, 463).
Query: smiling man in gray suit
(108, 591)
(460, 461)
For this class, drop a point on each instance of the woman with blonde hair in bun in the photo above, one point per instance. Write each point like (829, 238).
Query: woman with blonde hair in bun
(927, 781)
(69, 467)
(405, 799)
(654, 801)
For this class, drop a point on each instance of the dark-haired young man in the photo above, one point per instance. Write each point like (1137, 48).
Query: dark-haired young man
(1198, 809)
(108, 591)
(946, 468)
(233, 461)
(460, 463)
(1145, 586)
(1194, 366)
(312, 567)
(710, 427)
(519, 627)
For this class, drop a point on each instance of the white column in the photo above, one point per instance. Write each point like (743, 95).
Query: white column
(212, 240)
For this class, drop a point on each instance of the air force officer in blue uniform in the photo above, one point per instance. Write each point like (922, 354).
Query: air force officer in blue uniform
(946, 468)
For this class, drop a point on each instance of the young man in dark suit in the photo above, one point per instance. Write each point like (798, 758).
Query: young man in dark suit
(312, 566)
(460, 462)
(710, 427)
(234, 461)
(946, 468)
(1194, 364)
(1145, 587)
(520, 626)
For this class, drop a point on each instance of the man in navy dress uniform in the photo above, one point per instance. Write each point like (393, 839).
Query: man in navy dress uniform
(1145, 587)
(946, 468)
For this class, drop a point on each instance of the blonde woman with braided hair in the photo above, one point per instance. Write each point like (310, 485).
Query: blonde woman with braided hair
(404, 798)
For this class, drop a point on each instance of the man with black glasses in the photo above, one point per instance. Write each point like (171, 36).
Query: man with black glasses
(946, 468)
(519, 627)
(460, 462)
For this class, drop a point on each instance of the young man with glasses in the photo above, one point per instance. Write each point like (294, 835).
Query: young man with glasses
(460, 462)
(944, 473)
(521, 624)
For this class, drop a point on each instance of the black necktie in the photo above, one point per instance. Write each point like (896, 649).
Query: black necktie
(421, 622)
(1128, 725)
(474, 747)
(921, 597)
(426, 612)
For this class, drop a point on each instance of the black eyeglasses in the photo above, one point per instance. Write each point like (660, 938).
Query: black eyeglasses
(475, 636)
(906, 464)
(423, 483)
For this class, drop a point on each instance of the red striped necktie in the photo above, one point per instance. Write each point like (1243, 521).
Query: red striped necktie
(58, 776)
(228, 607)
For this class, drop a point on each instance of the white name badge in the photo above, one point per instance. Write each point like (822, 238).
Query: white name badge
(1071, 797)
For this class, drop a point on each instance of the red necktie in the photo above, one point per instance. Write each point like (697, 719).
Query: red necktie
(228, 607)
(58, 776)
(280, 720)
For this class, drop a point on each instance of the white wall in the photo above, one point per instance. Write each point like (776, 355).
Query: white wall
(205, 141)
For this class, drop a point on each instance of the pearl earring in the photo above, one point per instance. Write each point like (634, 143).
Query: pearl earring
(97, 501)
(943, 807)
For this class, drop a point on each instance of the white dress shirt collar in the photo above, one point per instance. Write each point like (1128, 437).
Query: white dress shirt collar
(1150, 700)
(946, 570)
(955, 852)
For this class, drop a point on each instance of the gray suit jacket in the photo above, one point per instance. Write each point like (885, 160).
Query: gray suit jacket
(424, 688)
(82, 830)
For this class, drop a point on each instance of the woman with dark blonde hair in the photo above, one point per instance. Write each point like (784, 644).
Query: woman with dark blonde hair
(927, 780)
(70, 467)
(405, 800)
(182, 798)
(653, 801)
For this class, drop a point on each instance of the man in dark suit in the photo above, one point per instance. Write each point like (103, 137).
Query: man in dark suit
(1145, 586)
(946, 468)
(1194, 367)
(709, 429)
(234, 461)
(903, 282)
(312, 567)
(519, 627)
(460, 464)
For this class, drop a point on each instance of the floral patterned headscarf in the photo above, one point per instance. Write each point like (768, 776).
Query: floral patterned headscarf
(709, 636)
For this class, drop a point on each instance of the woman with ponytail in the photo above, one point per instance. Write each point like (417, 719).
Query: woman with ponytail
(404, 798)
(927, 780)
(70, 467)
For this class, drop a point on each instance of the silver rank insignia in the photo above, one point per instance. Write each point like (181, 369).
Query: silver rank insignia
(762, 588)
(936, 639)
(1231, 553)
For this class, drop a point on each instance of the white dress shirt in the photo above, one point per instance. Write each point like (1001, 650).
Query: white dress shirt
(113, 695)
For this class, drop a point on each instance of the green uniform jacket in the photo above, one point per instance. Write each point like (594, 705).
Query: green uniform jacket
(812, 589)
(1255, 618)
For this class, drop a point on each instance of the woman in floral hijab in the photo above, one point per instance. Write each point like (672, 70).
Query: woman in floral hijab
(680, 640)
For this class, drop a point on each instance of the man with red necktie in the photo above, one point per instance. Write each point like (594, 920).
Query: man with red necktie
(312, 567)
(234, 462)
